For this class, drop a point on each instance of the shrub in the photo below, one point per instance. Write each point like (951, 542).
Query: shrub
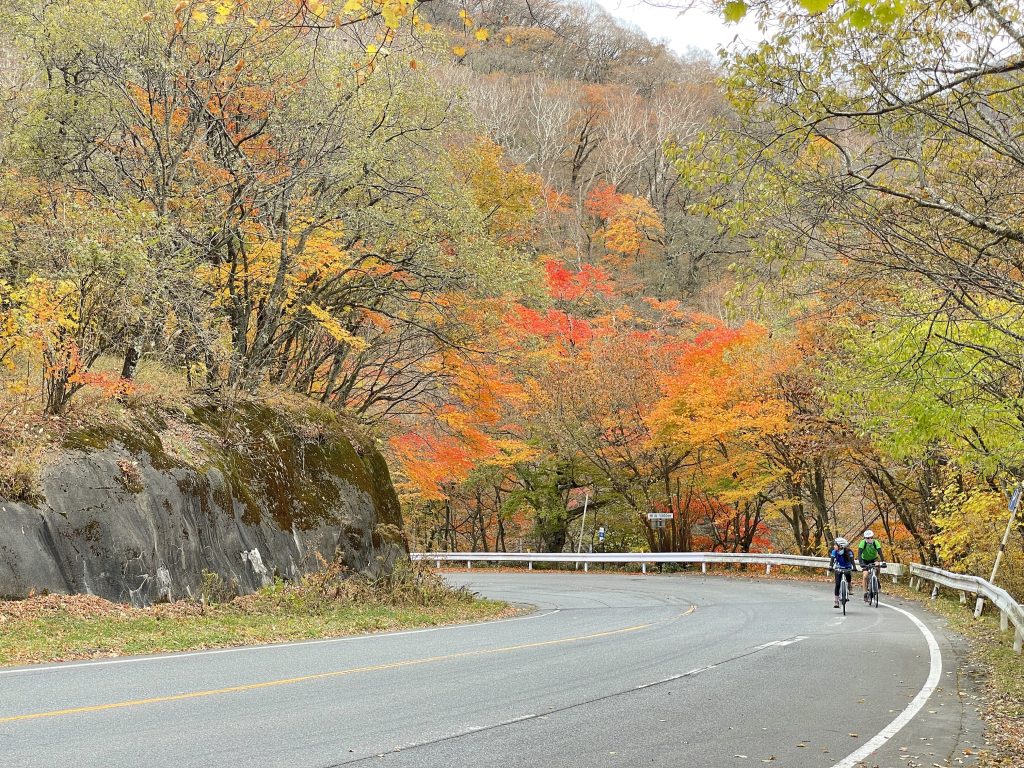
(213, 589)
(407, 584)
(19, 473)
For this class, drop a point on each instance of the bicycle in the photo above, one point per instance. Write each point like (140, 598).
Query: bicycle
(874, 585)
(844, 586)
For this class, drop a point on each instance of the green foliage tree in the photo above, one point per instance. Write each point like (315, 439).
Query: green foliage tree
(879, 153)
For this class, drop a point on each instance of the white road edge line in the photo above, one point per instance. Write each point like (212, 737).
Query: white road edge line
(915, 705)
(296, 644)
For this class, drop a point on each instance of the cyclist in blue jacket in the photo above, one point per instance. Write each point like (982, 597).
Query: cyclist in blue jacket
(841, 556)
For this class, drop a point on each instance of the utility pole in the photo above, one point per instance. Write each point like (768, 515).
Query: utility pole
(1014, 502)
(583, 522)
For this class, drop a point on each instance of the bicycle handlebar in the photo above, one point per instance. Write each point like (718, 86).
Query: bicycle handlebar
(867, 567)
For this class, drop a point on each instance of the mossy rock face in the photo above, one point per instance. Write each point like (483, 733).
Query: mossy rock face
(130, 516)
(272, 468)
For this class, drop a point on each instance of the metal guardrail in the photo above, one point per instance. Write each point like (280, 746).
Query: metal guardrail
(1010, 611)
(642, 558)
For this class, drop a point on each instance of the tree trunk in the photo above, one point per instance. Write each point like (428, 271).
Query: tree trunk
(133, 354)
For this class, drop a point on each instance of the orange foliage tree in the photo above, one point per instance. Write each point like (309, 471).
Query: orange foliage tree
(723, 405)
(628, 226)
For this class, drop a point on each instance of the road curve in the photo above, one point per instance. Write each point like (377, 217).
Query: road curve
(610, 670)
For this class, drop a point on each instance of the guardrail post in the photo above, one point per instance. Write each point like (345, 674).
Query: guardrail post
(963, 597)
(585, 564)
(767, 569)
(643, 567)
(469, 565)
(1004, 621)
(438, 561)
(1018, 641)
(703, 567)
(531, 566)
(979, 607)
(935, 591)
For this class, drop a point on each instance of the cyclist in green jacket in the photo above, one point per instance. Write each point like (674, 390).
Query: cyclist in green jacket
(869, 553)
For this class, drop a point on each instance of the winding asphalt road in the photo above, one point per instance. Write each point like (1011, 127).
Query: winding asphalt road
(610, 670)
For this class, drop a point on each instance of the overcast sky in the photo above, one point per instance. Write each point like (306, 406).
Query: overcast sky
(694, 28)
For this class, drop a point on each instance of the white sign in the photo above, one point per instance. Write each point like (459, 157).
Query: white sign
(660, 515)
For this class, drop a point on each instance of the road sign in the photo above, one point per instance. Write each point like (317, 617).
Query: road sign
(1015, 499)
(660, 515)
(600, 533)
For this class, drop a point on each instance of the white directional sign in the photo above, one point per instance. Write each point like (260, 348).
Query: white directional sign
(660, 515)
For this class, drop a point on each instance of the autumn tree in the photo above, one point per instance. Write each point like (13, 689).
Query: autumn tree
(305, 213)
(879, 169)
(723, 406)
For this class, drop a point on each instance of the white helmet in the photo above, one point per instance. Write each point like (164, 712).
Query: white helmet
(869, 534)
(840, 541)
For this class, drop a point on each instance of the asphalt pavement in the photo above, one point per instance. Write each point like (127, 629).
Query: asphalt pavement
(606, 670)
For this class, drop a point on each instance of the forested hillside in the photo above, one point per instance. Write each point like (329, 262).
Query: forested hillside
(541, 259)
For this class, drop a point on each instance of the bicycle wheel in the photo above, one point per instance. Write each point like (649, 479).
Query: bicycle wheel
(844, 592)
(876, 587)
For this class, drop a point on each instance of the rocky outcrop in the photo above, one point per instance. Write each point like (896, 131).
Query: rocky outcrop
(144, 512)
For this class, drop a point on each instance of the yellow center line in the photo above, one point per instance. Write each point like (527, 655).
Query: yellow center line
(322, 675)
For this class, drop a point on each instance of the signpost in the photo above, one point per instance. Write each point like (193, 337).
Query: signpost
(658, 519)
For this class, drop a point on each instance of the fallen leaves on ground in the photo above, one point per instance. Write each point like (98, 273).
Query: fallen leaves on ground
(79, 606)
(1005, 733)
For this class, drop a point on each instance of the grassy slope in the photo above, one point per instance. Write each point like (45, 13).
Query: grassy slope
(60, 634)
(62, 627)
